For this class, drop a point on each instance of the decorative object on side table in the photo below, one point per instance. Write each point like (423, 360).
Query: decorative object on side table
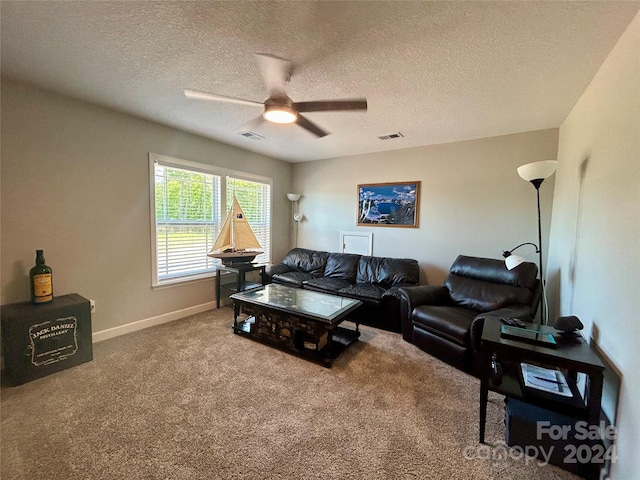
(41, 280)
(389, 204)
(236, 243)
(569, 324)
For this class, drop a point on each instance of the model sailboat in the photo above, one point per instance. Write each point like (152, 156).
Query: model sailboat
(236, 243)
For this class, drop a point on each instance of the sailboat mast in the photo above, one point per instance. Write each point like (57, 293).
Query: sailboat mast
(233, 227)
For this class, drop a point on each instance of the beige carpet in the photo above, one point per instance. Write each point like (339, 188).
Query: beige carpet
(190, 400)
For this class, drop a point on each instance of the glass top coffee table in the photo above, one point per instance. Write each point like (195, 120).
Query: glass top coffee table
(302, 322)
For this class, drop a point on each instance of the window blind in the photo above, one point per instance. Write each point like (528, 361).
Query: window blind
(190, 203)
(255, 200)
(188, 220)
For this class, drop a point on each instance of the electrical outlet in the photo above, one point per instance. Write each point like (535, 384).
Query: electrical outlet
(93, 306)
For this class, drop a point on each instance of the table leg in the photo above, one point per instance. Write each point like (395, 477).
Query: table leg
(217, 288)
(240, 282)
(236, 313)
(595, 398)
(484, 394)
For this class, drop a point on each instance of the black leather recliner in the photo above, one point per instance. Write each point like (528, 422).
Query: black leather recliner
(446, 320)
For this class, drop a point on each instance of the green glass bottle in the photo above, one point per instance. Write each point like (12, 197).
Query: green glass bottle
(41, 281)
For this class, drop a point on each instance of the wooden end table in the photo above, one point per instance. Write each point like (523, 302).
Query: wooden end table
(572, 356)
(241, 270)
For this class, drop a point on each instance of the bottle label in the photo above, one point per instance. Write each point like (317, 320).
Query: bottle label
(42, 289)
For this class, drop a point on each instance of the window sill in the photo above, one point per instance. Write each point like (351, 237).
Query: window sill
(178, 282)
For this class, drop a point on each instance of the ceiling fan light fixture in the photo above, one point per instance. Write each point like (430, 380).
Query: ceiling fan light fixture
(279, 114)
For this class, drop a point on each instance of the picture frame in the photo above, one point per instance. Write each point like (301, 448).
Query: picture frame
(393, 204)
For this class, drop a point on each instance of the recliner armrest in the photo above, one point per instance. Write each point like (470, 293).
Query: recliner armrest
(424, 295)
(411, 297)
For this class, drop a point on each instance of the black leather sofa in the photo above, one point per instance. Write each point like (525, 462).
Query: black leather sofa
(373, 280)
(446, 320)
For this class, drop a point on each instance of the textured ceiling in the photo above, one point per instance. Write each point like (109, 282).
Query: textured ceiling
(435, 71)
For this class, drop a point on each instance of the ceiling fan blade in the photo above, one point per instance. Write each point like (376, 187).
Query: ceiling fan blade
(218, 98)
(312, 127)
(331, 105)
(276, 72)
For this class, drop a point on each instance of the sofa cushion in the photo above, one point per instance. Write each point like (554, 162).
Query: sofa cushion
(294, 279)
(367, 291)
(452, 323)
(326, 284)
(387, 271)
(342, 265)
(311, 261)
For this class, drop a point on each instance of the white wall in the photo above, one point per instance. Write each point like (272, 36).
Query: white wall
(75, 182)
(595, 234)
(472, 200)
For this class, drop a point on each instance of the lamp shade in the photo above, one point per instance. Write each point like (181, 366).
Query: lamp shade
(537, 170)
(294, 197)
(512, 261)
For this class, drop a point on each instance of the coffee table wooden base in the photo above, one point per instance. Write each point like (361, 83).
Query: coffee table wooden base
(304, 337)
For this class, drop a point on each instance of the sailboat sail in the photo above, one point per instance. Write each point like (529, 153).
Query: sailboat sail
(236, 241)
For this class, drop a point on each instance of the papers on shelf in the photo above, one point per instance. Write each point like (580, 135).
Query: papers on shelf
(545, 379)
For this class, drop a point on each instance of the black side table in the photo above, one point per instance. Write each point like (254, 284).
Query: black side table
(38, 340)
(572, 356)
(241, 270)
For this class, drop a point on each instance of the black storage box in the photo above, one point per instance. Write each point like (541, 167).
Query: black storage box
(38, 340)
(521, 430)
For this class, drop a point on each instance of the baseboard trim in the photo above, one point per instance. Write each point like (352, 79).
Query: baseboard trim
(150, 322)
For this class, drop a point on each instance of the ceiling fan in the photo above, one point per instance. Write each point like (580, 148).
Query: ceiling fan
(279, 108)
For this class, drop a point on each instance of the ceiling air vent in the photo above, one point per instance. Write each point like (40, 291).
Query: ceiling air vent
(390, 136)
(251, 135)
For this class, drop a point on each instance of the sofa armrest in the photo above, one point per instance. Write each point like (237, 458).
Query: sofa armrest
(394, 292)
(271, 270)
(521, 312)
(413, 296)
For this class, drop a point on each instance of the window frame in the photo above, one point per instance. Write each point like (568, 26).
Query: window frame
(224, 174)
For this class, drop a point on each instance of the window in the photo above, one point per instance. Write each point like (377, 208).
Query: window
(255, 200)
(189, 204)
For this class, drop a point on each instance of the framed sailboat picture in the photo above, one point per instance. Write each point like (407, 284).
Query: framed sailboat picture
(236, 243)
(388, 204)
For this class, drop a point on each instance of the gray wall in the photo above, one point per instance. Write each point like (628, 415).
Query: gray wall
(595, 234)
(472, 200)
(75, 182)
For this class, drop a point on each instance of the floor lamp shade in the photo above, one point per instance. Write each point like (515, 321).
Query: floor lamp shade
(537, 170)
(293, 197)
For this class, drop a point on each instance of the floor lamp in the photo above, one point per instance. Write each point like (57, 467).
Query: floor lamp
(293, 198)
(536, 173)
